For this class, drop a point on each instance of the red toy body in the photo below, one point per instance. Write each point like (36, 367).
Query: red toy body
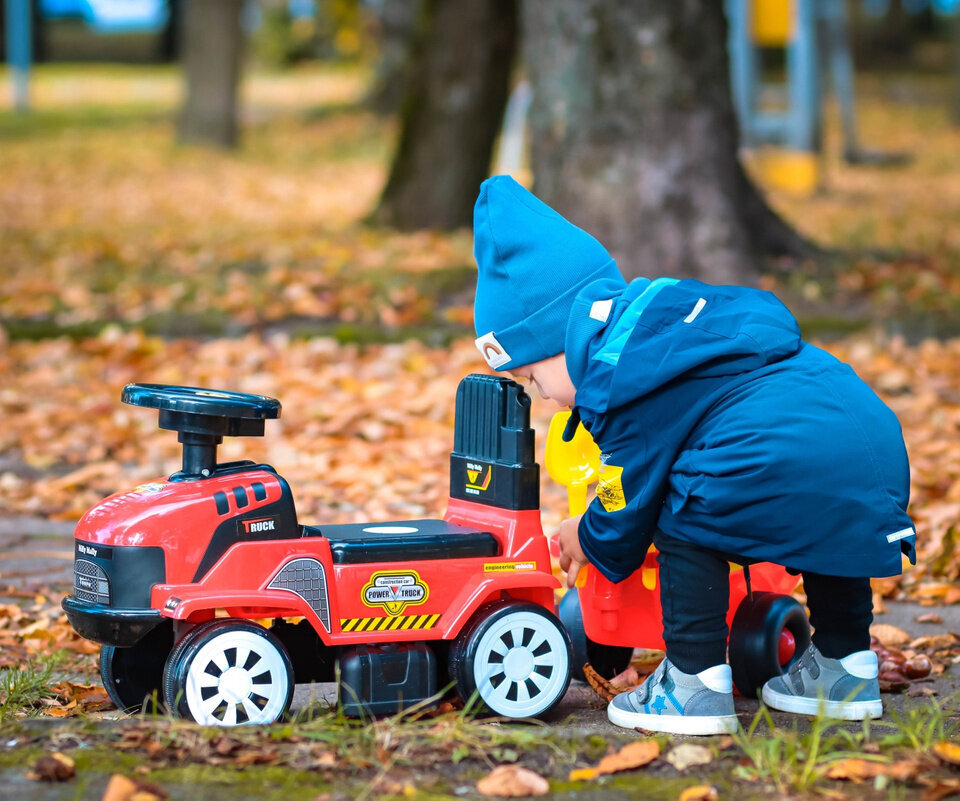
(170, 576)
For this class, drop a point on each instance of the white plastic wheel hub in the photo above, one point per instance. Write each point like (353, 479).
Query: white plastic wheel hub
(521, 664)
(237, 677)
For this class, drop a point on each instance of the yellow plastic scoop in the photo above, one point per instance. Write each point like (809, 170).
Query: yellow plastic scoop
(574, 464)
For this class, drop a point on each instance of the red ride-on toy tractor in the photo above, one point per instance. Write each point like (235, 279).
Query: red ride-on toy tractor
(175, 577)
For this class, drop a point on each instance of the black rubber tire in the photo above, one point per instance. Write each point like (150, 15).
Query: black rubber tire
(177, 668)
(606, 660)
(753, 649)
(133, 676)
(467, 646)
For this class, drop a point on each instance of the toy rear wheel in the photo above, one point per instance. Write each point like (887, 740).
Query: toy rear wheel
(227, 673)
(768, 634)
(133, 676)
(515, 657)
(606, 660)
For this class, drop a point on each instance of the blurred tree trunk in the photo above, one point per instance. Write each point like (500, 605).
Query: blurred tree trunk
(634, 136)
(212, 49)
(396, 23)
(451, 114)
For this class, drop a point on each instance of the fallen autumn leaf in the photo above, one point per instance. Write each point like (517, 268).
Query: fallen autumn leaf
(688, 755)
(513, 781)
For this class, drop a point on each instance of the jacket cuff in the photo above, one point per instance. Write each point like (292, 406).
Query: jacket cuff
(614, 557)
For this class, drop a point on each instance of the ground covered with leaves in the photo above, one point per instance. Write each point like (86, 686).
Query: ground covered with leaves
(125, 258)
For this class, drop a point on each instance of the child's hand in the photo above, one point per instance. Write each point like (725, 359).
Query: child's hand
(572, 558)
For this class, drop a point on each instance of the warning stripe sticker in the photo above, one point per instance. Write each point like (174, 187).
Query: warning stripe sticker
(398, 623)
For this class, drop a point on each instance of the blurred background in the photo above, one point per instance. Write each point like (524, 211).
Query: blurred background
(276, 196)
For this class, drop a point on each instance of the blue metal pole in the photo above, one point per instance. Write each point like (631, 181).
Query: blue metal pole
(18, 50)
(804, 85)
(743, 68)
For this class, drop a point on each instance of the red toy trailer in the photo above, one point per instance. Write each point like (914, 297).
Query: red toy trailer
(173, 577)
(606, 621)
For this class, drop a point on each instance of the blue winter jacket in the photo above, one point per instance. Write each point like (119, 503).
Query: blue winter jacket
(721, 427)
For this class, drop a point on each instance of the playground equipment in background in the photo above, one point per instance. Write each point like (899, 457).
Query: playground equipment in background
(813, 37)
(606, 621)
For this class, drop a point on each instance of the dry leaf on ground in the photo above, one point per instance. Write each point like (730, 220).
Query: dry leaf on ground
(948, 752)
(513, 781)
(599, 684)
(700, 792)
(939, 788)
(55, 767)
(625, 680)
(120, 788)
(632, 755)
(858, 770)
(889, 635)
(688, 755)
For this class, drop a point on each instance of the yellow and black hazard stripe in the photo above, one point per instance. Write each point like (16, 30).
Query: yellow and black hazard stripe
(398, 623)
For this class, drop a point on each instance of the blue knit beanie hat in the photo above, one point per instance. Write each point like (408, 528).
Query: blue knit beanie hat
(532, 263)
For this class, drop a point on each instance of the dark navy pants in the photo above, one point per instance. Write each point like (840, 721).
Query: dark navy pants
(695, 595)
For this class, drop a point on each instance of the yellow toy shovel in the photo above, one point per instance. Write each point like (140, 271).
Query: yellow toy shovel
(574, 464)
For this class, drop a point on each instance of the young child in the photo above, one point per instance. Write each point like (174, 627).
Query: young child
(725, 437)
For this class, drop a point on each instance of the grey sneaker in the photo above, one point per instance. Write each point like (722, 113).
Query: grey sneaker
(678, 703)
(839, 688)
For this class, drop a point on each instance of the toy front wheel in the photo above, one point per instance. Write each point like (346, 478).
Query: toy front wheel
(133, 676)
(515, 657)
(229, 672)
(607, 660)
(768, 634)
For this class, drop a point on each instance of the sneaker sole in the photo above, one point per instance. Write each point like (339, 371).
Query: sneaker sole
(801, 705)
(673, 724)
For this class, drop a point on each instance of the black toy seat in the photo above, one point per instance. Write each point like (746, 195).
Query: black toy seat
(404, 541)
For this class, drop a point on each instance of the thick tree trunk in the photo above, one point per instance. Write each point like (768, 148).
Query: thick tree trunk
(452, 113)
(634, 136)
(212, 49)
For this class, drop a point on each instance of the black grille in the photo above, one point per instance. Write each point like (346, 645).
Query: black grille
(90, 583)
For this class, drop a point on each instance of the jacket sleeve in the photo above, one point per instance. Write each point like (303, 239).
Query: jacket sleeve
(617, 529)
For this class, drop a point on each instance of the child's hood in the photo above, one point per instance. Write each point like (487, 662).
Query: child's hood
(625, 343)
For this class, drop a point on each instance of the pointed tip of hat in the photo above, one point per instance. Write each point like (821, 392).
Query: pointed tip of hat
(498, 182)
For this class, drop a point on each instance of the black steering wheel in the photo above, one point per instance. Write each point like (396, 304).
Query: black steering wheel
(203, 417)
(198, 400)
